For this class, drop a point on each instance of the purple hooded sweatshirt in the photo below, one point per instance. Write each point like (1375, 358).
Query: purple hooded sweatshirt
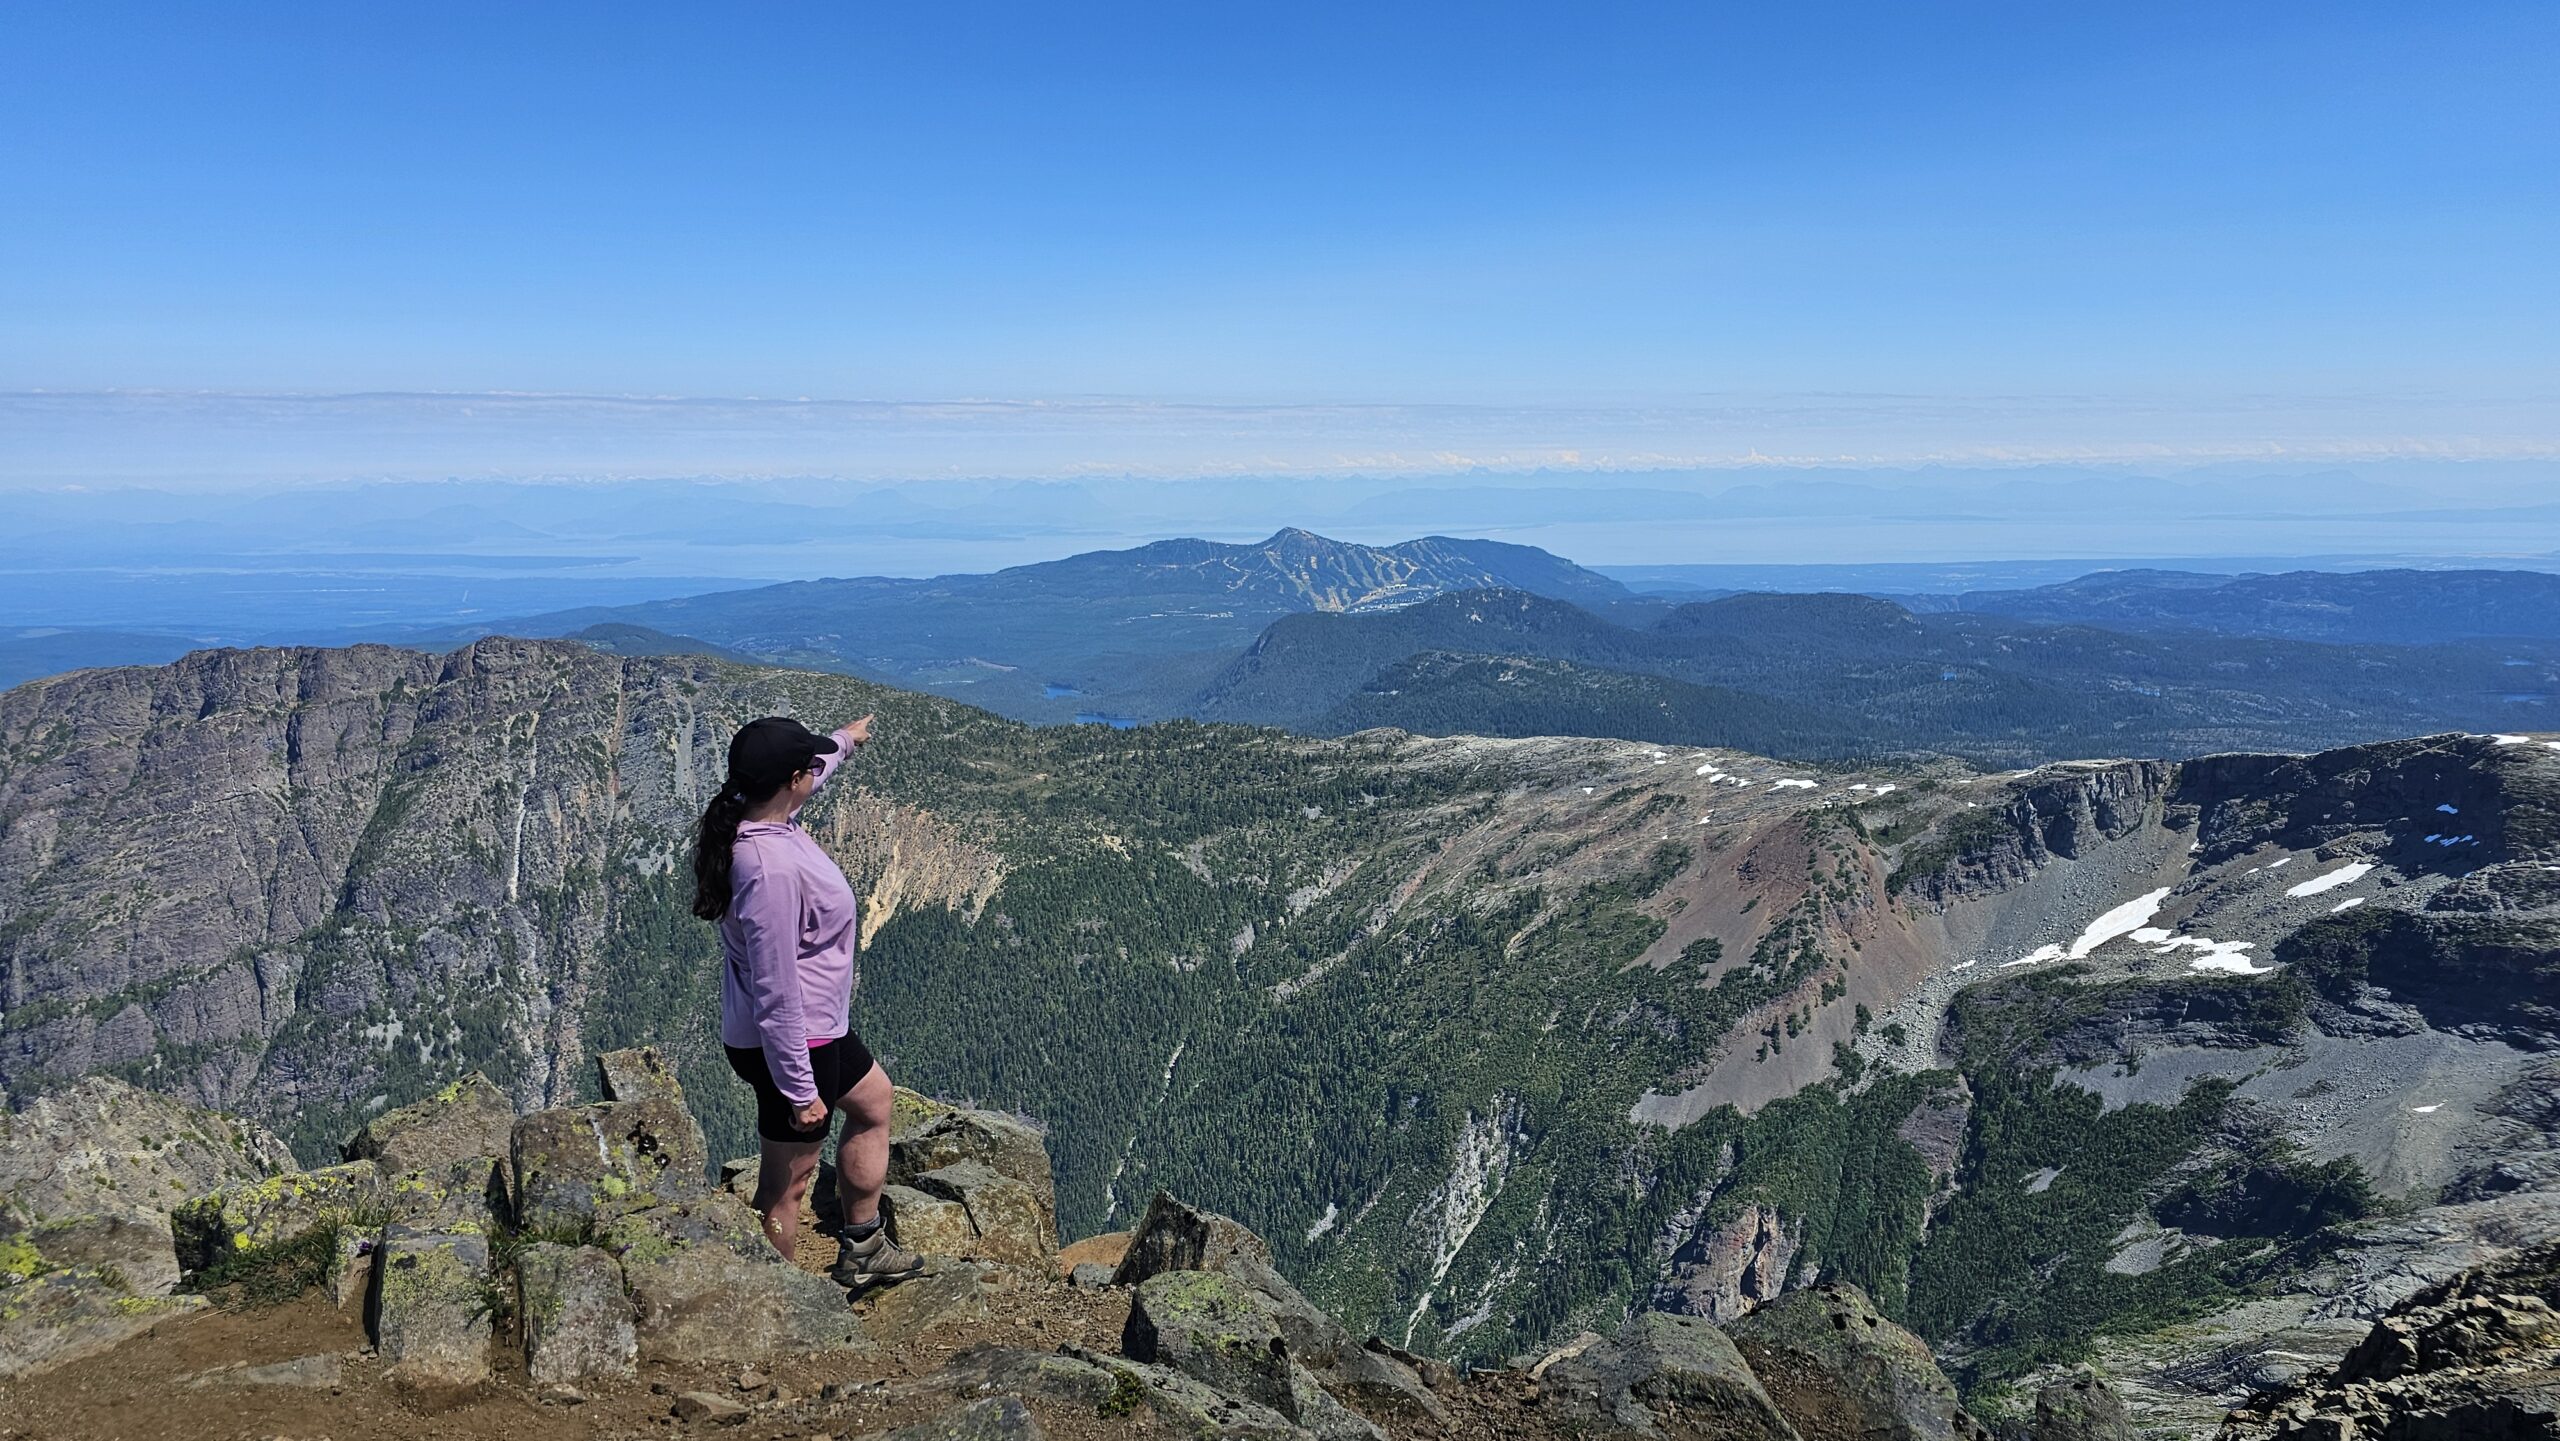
(787, 943)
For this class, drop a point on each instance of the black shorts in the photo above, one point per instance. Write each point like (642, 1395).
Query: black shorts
(838, 1066)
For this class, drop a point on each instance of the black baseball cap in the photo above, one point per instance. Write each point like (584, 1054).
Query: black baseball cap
(766, 752)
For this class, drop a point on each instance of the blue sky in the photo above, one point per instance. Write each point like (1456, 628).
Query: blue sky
(1552, 210)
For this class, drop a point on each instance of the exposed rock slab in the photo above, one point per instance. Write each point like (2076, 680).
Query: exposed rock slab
(63, 1316)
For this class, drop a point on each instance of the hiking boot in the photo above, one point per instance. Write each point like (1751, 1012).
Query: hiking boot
(877, 1261)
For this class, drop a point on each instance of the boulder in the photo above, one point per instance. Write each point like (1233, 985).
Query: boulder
(1213, 1330)
(1176, 1237)
(59, 1317)
(469, 1195)
(932, 1225)
(2081, 1407)
(707, 1287)
(1009, 1220)
(576, 1318)
(995, 1418)
(579, 1165)
(262, 1214)
(1220, 1332)
(432, 1307)
(637, 1074)
(1836, 1367)
(1661, 1375)
(1000, 1143)
(466, 1122)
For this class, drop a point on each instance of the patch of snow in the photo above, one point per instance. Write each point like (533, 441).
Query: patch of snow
(2124, 920)
(1586, 790)
(1709, 769)
(2279, 865)
(2038, 956)
(2426, 1110)
(1886, 790)
(2508, 740)
(2344, 875)
(1790, 783)
(2349, 904)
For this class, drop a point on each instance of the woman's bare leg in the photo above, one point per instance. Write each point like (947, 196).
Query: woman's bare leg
(782, 1179)
(862, 1156)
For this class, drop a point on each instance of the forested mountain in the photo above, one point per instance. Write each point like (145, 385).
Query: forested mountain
(1494, 1039)
(1120, 632)
(2381, 607)
(1869, 677)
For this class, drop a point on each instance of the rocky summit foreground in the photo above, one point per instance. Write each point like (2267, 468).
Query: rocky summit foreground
(583, 1271)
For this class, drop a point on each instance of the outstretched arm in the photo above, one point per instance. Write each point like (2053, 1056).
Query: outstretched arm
(849, 738)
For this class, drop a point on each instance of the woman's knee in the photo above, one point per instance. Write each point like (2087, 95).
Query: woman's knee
(869, 1104)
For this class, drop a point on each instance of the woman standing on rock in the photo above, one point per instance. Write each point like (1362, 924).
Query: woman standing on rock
(787, 937)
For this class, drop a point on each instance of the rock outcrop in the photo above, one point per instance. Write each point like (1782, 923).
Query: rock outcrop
(2476, 1358)
(1841, 1371)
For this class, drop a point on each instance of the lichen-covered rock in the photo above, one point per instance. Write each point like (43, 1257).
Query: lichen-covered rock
(932, 1225)
(1176, 1237)
(994, 1418)
(1226, 1335)
(579, 1164)
(1837, 1367)
(1213, 1330)
(910, 1109)
(100, 1147)
(59, 1317)
(707, 1287)
(637, 1074)
(470, 1195)
(460, 1124)
(1662, 1375)
(255, 1215)
(1008, 1220)
(576, 1318)
(433, 1311)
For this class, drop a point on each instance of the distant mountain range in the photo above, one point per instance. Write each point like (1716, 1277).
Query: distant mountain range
(2394, 607)
(1444, 635)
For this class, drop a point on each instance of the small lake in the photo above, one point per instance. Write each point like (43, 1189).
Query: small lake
(1051, 690)
(1098, 718)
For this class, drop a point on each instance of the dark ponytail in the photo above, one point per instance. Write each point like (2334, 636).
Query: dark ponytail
(712, 843)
